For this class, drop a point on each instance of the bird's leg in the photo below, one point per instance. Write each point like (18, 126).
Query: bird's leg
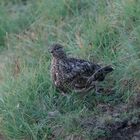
(63, 93)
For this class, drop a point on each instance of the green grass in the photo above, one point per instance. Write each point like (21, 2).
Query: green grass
(107, 32)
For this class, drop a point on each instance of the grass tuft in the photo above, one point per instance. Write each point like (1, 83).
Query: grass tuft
(105, 32)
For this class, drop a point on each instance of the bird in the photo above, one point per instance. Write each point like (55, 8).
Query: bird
(73, 74)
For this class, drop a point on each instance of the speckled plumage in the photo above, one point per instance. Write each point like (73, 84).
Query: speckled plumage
(74, 74)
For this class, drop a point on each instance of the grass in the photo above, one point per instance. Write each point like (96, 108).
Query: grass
(106, 32)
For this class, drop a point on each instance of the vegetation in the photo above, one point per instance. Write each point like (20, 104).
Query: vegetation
(103, 31)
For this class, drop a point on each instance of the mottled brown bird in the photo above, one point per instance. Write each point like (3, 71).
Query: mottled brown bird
(75, 74)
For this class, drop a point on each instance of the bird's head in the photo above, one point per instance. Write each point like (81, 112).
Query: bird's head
(57, 51)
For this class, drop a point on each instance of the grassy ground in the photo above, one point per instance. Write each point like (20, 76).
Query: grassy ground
(102, 31)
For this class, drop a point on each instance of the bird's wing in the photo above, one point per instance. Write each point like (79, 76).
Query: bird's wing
(76, 67)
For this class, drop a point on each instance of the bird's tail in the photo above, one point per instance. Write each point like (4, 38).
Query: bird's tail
(100, 74)
(106, 69)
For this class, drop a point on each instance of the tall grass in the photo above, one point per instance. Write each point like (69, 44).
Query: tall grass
(103, 31)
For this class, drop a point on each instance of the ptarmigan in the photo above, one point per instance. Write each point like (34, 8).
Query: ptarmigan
(75, 74)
